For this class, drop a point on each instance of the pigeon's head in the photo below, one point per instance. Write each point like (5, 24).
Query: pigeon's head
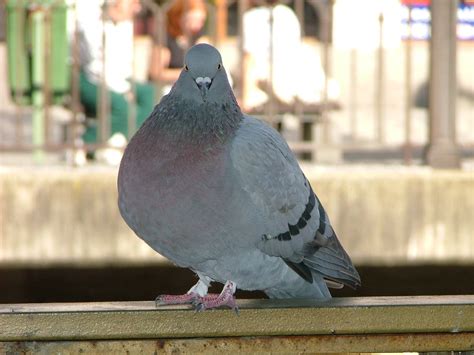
(203, 77)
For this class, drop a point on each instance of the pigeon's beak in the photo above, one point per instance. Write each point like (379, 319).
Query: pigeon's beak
(203, 84)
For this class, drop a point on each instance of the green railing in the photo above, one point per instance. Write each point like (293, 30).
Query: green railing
(38, 60)
(379, 324)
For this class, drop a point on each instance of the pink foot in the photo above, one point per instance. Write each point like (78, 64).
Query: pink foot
(225, 298)
(187, 298)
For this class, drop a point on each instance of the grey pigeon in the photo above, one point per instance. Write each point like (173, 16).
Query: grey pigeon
(217, 191)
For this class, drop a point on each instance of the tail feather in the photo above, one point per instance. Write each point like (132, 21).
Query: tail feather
(333, 263)
(328, 271)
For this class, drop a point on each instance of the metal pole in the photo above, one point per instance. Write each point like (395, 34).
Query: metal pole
(132, 101)
(73, 134)
(19, 73)
(379, 85)
(213, 27)
(46, 69)
(294, 125)
(221, 25)
(103, 93)
(270, 106)
(159, 34)
(407, 151)
(327, 72)
(299, 10)
(298, 106)
(242, 6)
(442, 150)
(353, 94)
(38, 33)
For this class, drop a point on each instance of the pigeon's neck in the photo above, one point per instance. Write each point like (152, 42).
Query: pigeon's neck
(200, 124)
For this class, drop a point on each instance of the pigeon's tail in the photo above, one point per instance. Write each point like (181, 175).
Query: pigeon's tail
(333, 263)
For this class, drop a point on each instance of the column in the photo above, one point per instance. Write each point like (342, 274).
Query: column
(442, 151)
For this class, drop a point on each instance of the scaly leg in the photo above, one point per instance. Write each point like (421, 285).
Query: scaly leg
(225, 298)
(195, 294)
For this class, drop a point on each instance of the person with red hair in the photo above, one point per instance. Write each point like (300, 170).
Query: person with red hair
(184, 26)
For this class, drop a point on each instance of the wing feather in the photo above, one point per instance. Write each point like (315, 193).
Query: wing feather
(296, 226)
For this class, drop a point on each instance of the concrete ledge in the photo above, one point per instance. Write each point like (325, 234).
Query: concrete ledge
(55, 215)
(344, 324)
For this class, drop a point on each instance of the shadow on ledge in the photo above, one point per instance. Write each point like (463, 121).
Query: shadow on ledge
(69, 284)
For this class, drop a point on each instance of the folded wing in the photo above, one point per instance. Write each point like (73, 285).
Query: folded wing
(297, 227)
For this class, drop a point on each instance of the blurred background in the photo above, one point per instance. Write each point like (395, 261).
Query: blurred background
(376, 98)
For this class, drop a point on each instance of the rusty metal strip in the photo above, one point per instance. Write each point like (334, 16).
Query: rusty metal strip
(276, 344)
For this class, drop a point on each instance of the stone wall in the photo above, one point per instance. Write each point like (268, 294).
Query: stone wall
(382, 215)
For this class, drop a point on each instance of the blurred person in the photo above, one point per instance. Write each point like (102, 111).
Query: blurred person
(118, 56)
(185, 21)
(296, 72)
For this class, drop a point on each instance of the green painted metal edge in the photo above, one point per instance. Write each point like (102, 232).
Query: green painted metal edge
(141, 320)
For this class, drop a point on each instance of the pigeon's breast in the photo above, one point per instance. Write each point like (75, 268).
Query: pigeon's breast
(185, 206)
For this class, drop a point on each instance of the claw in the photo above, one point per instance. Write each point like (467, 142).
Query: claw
(158, 302)
(236, 310)
(196, 302)
(199, 307)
